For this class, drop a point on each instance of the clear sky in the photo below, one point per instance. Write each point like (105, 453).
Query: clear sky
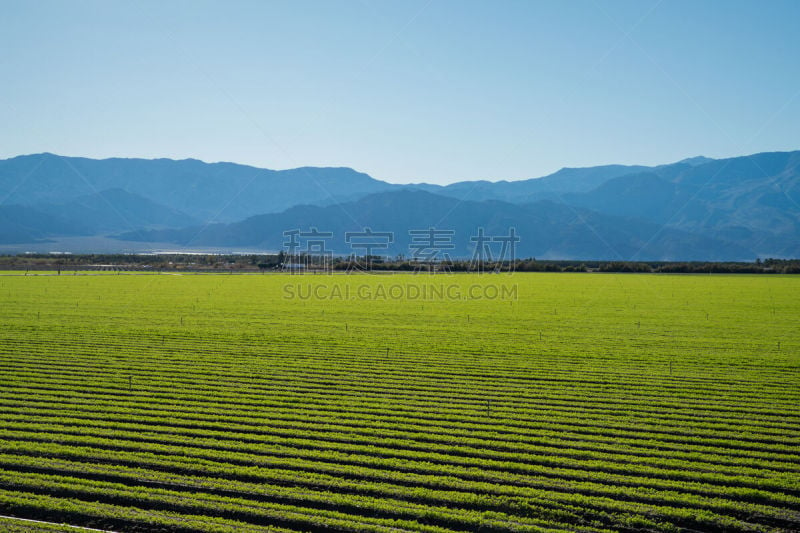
(406, 91)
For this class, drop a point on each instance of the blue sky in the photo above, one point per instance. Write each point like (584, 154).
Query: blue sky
(437, 91)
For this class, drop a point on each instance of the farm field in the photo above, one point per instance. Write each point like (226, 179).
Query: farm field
(525, 402)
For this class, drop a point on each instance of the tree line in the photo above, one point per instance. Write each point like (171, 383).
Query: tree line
(284, 262)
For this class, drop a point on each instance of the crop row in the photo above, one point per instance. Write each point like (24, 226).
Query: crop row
(673, 506)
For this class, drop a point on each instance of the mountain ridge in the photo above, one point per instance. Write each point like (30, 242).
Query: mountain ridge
(747, 203)
(548, 230)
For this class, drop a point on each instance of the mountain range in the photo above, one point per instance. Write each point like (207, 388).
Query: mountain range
(696, 209)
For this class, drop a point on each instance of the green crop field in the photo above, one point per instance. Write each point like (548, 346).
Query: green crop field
(524, 402)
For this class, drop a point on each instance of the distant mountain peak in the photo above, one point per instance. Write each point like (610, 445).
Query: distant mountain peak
(743, 206)
(696, 161)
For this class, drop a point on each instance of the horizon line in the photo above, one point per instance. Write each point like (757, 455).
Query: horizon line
(502, 180)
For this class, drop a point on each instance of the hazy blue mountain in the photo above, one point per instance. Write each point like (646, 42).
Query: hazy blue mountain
(695, 161)
(753, 201)
(105, 212)
(551, 186)
(749, 203)
(21, 224)
(227, 192)
(547, 229)
(115, 210)
(205, 191)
